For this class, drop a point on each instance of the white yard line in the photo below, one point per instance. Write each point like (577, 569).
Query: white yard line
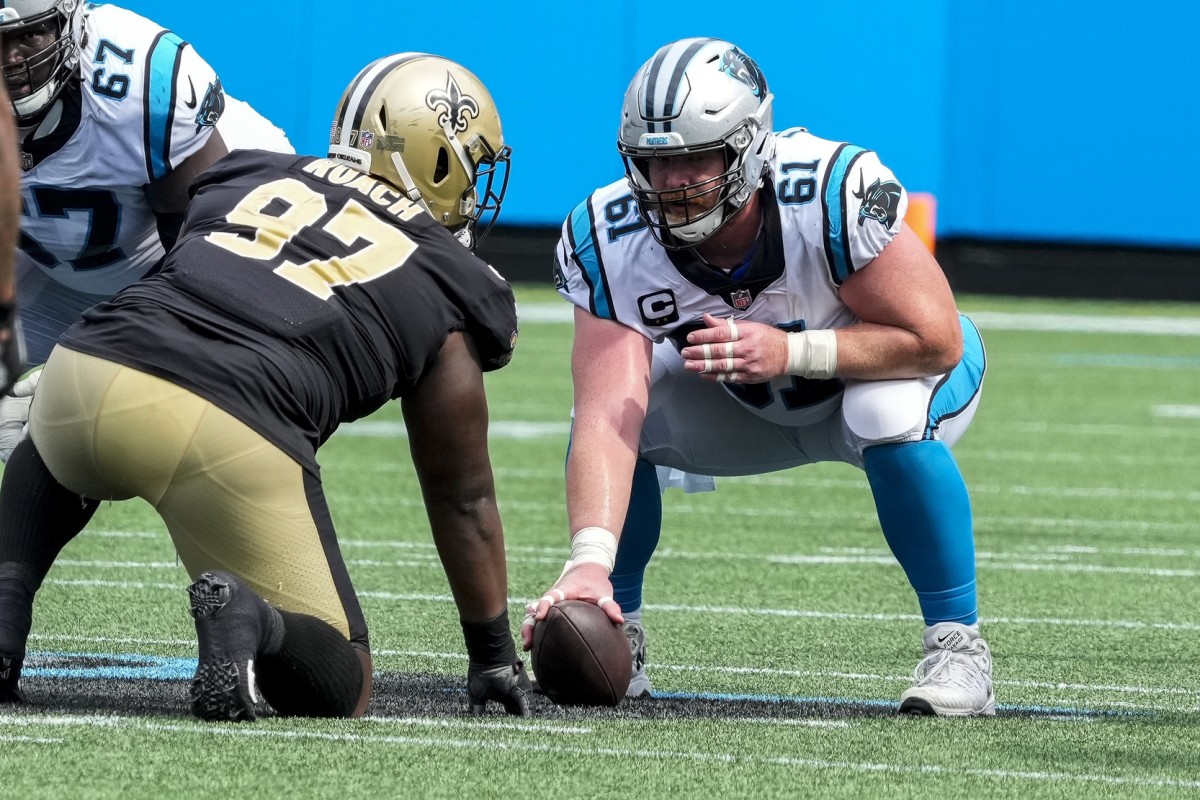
(133, 724)
(1176, 412)
(987, 562)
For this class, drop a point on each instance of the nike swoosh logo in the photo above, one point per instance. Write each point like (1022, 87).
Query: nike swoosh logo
(191, 103)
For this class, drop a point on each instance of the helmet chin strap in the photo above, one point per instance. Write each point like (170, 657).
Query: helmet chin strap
(467, 203)
(464, 235)
(696, 232)
(409, 185)
(29, 107)
(46, 125)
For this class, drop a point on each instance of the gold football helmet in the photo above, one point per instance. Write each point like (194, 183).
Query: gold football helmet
(427, 126)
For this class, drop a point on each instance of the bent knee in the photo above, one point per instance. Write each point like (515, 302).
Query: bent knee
(886, 411)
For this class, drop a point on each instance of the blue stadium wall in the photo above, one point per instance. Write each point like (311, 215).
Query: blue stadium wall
(1058, 138)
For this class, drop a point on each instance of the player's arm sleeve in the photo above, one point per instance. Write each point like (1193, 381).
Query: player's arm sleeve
(496, 339)
(865, 204)
(184, 101)
(489, 315)
(579, 274)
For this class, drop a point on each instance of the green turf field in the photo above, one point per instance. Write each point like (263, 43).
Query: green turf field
(781, 631)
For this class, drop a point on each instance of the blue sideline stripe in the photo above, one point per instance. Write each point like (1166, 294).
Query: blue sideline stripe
(109, 666)
(166, 668)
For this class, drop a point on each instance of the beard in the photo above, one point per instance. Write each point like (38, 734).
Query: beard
(679, 207)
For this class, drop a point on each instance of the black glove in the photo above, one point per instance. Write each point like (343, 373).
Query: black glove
(11, 362)
(505, 683)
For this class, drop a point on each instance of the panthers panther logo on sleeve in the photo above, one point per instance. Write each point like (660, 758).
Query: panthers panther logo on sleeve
(879, 202)
(212, 107)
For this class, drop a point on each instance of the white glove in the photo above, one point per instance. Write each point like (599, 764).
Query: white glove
(14, 412)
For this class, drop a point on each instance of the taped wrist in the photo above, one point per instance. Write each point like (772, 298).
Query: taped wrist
(812, 354)
(489, 643)
(594, 546)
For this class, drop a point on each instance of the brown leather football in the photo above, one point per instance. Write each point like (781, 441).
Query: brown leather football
(581, 657)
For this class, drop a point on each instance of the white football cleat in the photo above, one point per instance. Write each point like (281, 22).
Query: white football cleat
(639, 684)
(954, 679)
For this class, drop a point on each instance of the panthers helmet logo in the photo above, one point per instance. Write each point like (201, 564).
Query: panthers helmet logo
(738, 66)
(455, 109)
(880, 202)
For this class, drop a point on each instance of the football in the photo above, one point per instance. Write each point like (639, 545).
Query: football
(581, 657)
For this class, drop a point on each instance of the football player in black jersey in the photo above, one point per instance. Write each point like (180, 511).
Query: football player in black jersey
(303, 292)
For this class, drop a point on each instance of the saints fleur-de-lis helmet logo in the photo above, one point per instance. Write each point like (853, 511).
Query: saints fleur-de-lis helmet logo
(455, 109)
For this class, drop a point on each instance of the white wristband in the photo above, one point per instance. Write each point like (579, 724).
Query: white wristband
(594, 546)
(812, 354)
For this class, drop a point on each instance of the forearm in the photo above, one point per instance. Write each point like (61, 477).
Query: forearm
(610, 368)
(470, 542)
(599, 476)
(869, 351)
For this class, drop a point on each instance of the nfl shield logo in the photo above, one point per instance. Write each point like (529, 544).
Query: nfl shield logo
(364, 140)
(740, 299)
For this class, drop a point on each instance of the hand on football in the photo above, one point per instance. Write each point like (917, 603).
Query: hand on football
(587, 581)
(736, 351)
(507, 684)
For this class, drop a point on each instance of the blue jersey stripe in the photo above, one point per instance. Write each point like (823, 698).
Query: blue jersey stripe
(963, 382)
(587, 255)
(161, 74)
(837, 240)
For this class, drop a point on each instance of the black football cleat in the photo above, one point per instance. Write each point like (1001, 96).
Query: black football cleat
(10, 673)
(232, 622)
(16, 618)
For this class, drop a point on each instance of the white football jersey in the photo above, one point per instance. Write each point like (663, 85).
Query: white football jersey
(829, 209)
(147, 101)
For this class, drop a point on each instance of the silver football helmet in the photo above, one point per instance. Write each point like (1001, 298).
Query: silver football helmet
(429, 127)
(692, 96)
(37, 79)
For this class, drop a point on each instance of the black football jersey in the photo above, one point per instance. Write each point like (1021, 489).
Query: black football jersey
(301, 294)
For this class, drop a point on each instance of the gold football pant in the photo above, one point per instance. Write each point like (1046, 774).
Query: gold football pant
(231, 499)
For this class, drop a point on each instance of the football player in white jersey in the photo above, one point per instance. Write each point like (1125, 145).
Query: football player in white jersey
(115, 117)
(748, 301)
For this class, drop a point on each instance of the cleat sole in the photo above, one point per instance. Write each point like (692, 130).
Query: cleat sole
(217, 694)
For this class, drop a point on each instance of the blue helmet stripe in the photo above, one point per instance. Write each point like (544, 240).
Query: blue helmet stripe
(159, 96)
(962, 383)
(587, 256)
(837, 240)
